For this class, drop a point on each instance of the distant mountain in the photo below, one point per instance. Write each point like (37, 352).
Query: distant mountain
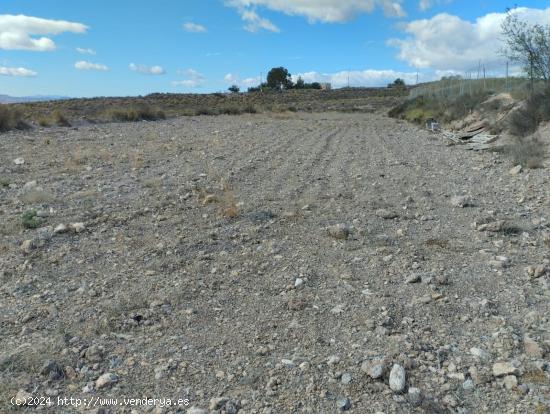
(36, 98)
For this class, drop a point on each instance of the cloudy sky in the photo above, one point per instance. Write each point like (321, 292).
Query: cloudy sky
(132, 47)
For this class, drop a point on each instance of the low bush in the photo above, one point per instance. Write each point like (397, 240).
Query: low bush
(29, 220)
(231, 110)
(206, 111)
(11, 118)
(135, 114)
(443, 109)
(536, 109)
(60, 119)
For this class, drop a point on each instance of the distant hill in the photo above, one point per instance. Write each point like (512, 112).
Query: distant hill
(36, 98)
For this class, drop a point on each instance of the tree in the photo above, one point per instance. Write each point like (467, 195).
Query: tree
(315, 85)
(234, 89)
(528, 45)
(398, 83)
(300, 84)
(279, 78)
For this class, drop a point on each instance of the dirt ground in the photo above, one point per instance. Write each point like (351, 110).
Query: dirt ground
(279, 263)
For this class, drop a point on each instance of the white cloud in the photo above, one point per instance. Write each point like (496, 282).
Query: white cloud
(230, 78)
(255, 23)
(191, 73)
(5, 71)
(365, 78)
(16, 32)
(446, 42)
(424, 5)
(146, 70)
(327, 11)
(194, 28)
(233, 79)
(84, 65)
(194, 78)
(84, 51)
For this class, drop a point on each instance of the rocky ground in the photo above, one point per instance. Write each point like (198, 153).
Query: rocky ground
(286, 263)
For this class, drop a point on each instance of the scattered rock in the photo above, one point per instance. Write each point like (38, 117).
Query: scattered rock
(516, 170)
(480, 353)
(468, 385)
(61, 228)
(534, 272)
(346, 378)
(532, 348)
(493, 226)
(344, 404)
(374, 369)
(218, 403)
(397, 378)
(19, 161)
(106, 380)
(77, 227)
(414, 278)
(339, 231)
(27, 246)
(23, 397)
(197, 410)
(333, 360)
(386, 214)
(460, 201)
(501, 369)
(52, 370)
(510, 382)
(414, 396)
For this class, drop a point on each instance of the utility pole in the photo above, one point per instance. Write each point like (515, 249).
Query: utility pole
(348, 78)
(416, 77)
(261, 81)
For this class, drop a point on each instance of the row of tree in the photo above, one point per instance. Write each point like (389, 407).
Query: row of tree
(526, 44)
(279, 79)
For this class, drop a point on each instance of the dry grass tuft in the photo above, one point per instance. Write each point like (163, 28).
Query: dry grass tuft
(11, 118)
(37, 196)
(60, 119)
(229, 207)
(528, 152)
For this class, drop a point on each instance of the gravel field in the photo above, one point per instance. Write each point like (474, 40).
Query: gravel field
(283, 263)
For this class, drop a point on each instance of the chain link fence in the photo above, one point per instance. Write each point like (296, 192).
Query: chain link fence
(493, 77)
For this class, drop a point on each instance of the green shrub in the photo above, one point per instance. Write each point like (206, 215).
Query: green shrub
(29, 220)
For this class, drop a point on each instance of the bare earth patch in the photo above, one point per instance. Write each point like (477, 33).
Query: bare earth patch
(195, 262)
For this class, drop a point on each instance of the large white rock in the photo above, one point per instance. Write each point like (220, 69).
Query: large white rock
(397, 378)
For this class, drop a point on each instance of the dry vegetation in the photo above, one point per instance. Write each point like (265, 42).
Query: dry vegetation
(160, 106)
(519, 116)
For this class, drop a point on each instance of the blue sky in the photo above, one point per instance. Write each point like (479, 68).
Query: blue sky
(133, 47)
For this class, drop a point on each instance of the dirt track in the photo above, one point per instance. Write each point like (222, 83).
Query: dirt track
(176, 299)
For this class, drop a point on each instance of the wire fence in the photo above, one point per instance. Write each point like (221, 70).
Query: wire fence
(494, 77)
